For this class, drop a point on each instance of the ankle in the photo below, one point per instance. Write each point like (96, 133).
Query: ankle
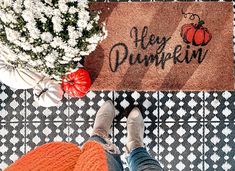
(100, 132)
(130, 146)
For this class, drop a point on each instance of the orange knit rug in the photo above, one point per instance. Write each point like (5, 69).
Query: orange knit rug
(164, 46)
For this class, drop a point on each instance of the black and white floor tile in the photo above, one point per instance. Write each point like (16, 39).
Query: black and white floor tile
(185, 131)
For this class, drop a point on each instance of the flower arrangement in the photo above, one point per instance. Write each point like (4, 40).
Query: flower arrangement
(48, 36)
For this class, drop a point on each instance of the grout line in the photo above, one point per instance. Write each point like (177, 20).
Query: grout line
(68, 125)
(203, 132)
(121, 122)
(113, 120)
(25, 110)
(158, 126)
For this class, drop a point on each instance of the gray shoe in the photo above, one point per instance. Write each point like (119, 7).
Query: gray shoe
(135, 130)
(104, 119)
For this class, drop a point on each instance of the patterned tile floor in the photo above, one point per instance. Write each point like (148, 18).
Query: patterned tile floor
(184, 130)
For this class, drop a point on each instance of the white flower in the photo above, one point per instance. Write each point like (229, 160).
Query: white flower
(32, 63)
(91, 47)
(55, 48)
(57, 27)
(28, 4)
(77, 59)
(12, 35)
(24, 57)
(89, 26)
(73, 10)
(37, 49)
(50, 58)
(62, 62)
(47, 37)
(94, 39)
(81, 24)
(96, 19)
(72, 42)
(84, 15)
(63, 7)
(57, 41)
(50, 65)
(3, 17)
(6, 3)
(48, 2)
(43, 20)
(33, 30)
(84, 53)
(28, 16)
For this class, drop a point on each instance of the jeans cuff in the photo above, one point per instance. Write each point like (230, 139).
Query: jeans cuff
(134, 151)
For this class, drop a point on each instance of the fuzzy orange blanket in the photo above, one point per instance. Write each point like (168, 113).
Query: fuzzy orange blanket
(62, 156)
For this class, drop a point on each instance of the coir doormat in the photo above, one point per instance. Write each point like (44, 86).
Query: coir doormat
(164, 46)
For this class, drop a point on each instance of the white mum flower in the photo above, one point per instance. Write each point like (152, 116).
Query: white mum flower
(33, 30)
(94, 39)
(84, 15)
(24, 57)
(89, 26)
(84, 53)
(77, 59)
(28, 4)
(28, 15)
(50, 58)
(72, 42)
(73, 10)
(50, 65)
(47, 37)
(62, 62)
(48, 2)
(63, 7)
(6, 3)
(81, 24)
(57, 41)
(91, 47)
(57, 24)
(3, 16)
(12, 35)
(37, 49)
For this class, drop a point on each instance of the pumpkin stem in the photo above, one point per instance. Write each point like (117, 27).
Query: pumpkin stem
(201, 22)
(71, 82)
(43, 91)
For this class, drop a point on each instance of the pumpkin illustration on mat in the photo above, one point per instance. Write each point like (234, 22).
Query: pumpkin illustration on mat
(195, 34)
(76, 84)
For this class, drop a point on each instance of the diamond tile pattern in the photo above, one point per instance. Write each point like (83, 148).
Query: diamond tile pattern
(84, 109)
(181, 145)
(181, 106)
(219, 146)
(12, 104)
(12, 144)
(146, 101)
(220, 106)
(183, 130)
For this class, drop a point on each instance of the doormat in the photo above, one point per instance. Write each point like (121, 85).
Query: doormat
(164, 46)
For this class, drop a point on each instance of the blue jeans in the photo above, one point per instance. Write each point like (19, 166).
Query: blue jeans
(138, 159)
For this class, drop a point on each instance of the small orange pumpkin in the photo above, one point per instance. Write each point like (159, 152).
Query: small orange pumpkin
(77, 83)
(195, 34)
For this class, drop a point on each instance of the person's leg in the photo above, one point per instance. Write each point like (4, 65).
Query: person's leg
(138, 158)
(101, 128)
